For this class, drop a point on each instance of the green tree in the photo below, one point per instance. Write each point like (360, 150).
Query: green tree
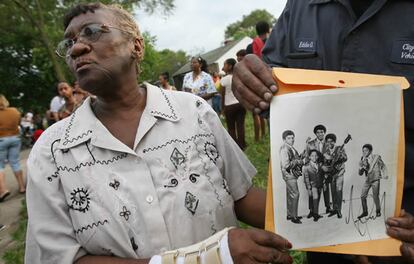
(156, 62)
(246, 26)
(30, 32)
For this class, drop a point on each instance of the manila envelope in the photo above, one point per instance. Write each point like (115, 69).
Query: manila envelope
(297, 80)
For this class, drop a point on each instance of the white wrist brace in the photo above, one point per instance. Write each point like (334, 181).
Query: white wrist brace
(213, 250)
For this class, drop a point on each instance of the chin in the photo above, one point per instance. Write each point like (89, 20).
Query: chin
(94, 82)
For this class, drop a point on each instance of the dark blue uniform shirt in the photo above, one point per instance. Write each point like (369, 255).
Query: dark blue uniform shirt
(328, 35)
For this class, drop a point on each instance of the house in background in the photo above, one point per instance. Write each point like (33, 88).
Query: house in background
(215, 59)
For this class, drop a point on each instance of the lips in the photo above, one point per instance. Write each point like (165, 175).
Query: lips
(82, 64)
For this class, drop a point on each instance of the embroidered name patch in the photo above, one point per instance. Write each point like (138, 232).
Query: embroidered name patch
(305, 44)
(403, 51)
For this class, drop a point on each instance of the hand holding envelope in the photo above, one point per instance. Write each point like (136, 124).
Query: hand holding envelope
(252, 85)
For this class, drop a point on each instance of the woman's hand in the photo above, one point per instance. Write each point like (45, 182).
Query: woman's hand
(402, 228)
(258, 246)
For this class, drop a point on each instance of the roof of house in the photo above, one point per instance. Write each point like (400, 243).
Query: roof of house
(210, 57)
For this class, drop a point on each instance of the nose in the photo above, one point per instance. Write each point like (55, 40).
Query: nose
(78, 49)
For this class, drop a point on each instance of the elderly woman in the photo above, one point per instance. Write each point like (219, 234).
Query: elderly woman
(109, 185)
(10, 144)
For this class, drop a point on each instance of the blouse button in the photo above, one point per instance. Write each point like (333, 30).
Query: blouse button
(149, 199)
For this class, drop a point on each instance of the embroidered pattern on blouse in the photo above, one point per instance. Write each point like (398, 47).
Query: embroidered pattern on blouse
(211, 151)
(177, 158)
(125, 213)
(108, 252)
(174, 115)
(115, 184)
(191, 202)
(177, 141)
(80, 200)
(133, 244)
(173, 183)
(212, 226)
(205, 167)
(67, 140)
(56, 173)
(194, 177)
(91, 226)
(91, 163)
(226, 186)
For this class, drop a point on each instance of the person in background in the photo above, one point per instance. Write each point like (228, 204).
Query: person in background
(233, 110)
(262, 30)
(198, 81)
(164, 81)
(217, 99)
(70, 101)
(240, 55)
(10, 144)
(56, 104)
(304, 37)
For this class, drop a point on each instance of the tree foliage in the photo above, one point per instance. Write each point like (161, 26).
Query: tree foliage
(156, 62)
(30, 31)
(246, 26)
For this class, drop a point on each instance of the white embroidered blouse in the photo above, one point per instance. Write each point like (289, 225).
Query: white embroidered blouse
(88, 193)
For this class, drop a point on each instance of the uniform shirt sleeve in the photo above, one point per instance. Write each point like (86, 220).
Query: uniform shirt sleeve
(275, 49)
(237, 169)
(50, 236)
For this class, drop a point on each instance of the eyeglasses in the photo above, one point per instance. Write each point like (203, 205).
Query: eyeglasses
(88, 34)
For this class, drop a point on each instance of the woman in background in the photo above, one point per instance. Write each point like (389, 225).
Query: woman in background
(10, 144)
(164, 81)
(233, 110)
(198, 81)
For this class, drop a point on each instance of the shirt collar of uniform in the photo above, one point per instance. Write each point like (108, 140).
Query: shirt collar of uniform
(83, 125)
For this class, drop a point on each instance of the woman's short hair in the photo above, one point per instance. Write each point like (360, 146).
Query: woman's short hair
(124, 19)
(165, 75)
(231, 62)
(3, 102)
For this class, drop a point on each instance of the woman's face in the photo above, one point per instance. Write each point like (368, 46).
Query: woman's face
(162, 80)
(195, 65)
(107, 60)
(226, 67)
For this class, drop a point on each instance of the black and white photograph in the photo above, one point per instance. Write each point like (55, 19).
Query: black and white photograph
(334, 164)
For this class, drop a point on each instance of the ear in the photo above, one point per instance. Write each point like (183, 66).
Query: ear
(139, 46)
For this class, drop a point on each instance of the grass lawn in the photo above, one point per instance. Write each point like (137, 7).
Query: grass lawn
(258, 154)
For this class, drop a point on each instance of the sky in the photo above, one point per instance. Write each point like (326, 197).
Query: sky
(197, 26)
